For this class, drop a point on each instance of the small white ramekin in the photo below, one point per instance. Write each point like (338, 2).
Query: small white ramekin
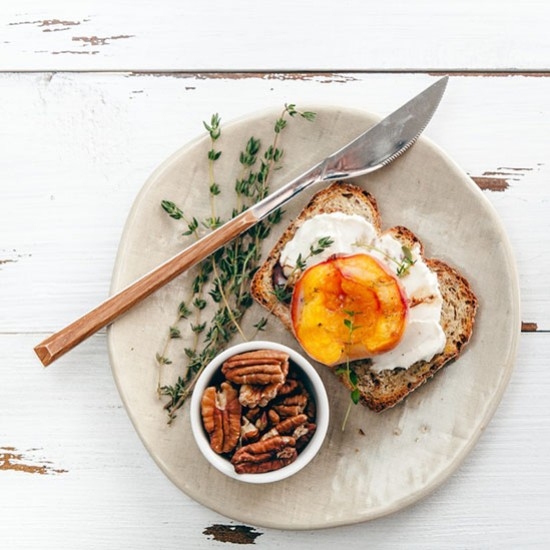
(311, 379)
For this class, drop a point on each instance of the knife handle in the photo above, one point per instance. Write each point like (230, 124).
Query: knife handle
(67, 338)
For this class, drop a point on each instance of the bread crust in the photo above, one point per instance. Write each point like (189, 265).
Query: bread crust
(383, 390)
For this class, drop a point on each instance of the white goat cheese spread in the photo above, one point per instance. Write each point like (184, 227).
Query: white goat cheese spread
(352, 234)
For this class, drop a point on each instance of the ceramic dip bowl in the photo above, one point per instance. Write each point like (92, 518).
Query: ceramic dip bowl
(259, 412)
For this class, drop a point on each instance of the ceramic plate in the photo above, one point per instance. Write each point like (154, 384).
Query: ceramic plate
(381, 462)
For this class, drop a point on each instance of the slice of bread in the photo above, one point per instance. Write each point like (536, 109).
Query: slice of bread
(379, 390)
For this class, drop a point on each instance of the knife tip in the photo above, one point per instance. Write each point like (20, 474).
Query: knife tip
(442, 82)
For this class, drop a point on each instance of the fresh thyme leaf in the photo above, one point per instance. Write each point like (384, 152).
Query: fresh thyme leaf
(214, 155)
(280, 123)
(406, 263)
(198, 328)
(291, 108)
(245, 300)
(215, 293)
(261, 324)
(212, 222)
(183, 311)
(172, 210)
(192, 226)
(275, 217)
(300, 263)
(318, 247)
(199, 303)
(191, 353)
(214, 127)
(282, 293)
(322, 244)
(273, 153)
(175, 332)
(201, 279)
(161, 360)
(261, 230)
(249, 156)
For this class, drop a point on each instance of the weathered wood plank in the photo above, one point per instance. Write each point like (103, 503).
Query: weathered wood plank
(354, 35)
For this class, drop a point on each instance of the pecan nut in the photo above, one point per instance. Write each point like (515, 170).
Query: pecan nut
(291, 405)
(265, 455)
(252, 395)
(303, 435)
(249, 432)
(290, 424)
(258, 368)
(273, 417)
(290, 386)
(221, 417)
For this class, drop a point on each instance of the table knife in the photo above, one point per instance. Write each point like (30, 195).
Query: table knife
(372, 150)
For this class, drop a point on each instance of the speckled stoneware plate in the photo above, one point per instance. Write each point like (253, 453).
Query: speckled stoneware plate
(381, 462)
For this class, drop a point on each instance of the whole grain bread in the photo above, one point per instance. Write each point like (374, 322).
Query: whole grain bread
(379, 390)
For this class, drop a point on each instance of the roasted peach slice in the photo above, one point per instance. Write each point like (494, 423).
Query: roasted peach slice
(348, 307)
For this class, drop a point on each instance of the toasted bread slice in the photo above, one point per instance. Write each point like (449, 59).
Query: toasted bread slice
(379, 390)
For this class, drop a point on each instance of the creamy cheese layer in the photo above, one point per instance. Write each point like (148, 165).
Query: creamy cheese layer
(352, 234)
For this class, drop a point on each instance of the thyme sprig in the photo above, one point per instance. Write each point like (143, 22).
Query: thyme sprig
(318, 247)
(345, 370)
(406, 263)
(220, 296)
(403, 264)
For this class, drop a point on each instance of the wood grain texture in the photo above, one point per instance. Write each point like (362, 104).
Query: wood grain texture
(199, 36)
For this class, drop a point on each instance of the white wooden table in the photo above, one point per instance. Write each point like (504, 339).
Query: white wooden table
(94, 95)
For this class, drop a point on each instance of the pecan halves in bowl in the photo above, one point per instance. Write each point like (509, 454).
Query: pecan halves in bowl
(255, 412)
(265, 455)
(221, 417)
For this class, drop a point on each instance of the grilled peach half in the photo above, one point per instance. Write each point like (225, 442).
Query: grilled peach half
(348, 307)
